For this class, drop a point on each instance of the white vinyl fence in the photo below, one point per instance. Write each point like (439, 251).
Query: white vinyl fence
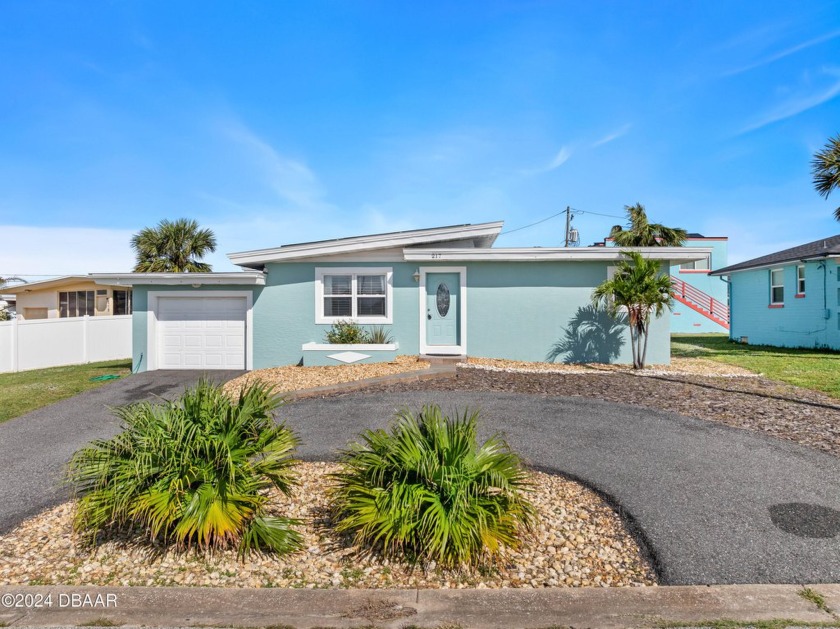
(55, 342)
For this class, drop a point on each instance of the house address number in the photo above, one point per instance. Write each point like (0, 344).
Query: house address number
(435, 256)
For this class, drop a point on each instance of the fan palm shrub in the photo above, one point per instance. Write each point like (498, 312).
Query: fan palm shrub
(426, 490)
(193, 472)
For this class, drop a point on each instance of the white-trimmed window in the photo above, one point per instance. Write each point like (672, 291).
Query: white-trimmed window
(364, 295)
(696, 265)
(800, 279)
(777, 286)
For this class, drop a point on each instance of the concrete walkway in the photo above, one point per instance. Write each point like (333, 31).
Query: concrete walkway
(35, 447)
(715, 505)
(392, 609)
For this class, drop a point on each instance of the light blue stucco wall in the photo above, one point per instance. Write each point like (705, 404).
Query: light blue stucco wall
(514, 310)
(685, 319)
(801, 322)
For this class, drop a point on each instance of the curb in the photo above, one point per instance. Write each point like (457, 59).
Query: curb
(393, 609)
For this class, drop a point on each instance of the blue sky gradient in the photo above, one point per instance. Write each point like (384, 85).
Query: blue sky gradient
(279, 122)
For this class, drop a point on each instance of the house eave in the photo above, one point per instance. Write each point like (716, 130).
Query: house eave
(484, 234)
(235, 278)
(545, 254)
(776, 264)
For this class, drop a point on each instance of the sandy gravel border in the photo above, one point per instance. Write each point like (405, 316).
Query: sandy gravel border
(578, 541)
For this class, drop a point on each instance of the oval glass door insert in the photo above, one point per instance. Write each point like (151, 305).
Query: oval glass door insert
(443, 299)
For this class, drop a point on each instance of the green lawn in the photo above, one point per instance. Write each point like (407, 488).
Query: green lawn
(27, 390)
(809, 368)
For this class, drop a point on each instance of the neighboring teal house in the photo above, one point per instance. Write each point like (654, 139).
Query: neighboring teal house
(789, 298)
(700, 300)
(439, 291)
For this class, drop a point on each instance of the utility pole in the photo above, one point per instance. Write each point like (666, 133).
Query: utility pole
(568, 224)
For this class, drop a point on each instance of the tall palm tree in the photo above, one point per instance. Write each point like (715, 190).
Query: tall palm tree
(640, 290)
(825, 168)
(642, 233)
(173, 247)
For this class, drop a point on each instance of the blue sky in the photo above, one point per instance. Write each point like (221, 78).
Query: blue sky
(276, 122)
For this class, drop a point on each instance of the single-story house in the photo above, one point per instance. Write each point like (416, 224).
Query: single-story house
(789, 298)
(439, 291)
(69, 296)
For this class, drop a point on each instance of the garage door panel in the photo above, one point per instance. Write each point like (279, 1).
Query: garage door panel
(201, 332)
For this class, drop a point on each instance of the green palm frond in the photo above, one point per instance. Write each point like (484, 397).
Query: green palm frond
(173, 247)
(193, 472)
(427, 490)
(640, 291)
(640, 232)
(825, 168)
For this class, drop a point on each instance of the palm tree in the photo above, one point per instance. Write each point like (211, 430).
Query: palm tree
(639, 290)
(825, 168)
(173, 247)
(642, 233)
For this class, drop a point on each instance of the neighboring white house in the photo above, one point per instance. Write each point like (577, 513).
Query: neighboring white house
(68, 297)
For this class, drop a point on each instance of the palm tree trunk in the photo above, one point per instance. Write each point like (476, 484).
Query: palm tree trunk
(644, 351)
(633, 347)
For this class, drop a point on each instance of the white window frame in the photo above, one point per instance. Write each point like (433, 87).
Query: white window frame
(772, 286)
(800, 281)
(388, 272)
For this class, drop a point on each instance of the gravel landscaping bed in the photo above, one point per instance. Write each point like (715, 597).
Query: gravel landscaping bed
(294, 378)
(753, 403)
(578, 541)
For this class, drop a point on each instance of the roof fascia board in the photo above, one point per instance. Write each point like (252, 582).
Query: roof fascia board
(367, 243)
(242, 278)
(45, 284)
(577, 254)
(775, 265)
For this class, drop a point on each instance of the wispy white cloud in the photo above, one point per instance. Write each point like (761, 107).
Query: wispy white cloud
(621, 131)
(798, 104)
(784, 53)
(561, 158)
(291, 179)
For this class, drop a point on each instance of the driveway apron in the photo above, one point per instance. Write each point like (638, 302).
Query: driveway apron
(35, 447)
(713, 504)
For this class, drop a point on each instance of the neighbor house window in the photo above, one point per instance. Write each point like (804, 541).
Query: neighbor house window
(800, 279)
(122, 302)
(695, 265)
(359, 294)
(76, 303)
(777, 286)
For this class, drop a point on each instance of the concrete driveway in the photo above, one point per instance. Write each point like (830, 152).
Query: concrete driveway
(714, 504)
(35, 447)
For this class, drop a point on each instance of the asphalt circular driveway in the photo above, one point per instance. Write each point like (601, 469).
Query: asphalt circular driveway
(712, 504)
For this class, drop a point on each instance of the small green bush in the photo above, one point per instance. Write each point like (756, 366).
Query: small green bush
(349, 332)
(426, 490)
(193, 472)
(379, 335)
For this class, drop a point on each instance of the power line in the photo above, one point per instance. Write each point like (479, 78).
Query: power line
(548, 218)
(510, 231)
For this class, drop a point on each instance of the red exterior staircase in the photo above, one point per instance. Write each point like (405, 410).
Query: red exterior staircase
(700, 302)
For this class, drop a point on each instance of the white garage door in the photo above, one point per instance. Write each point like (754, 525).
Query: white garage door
(201, 332)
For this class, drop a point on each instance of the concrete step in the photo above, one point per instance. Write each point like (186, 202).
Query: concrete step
(435, 359)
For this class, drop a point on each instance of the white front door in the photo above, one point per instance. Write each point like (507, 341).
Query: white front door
(201, 332)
